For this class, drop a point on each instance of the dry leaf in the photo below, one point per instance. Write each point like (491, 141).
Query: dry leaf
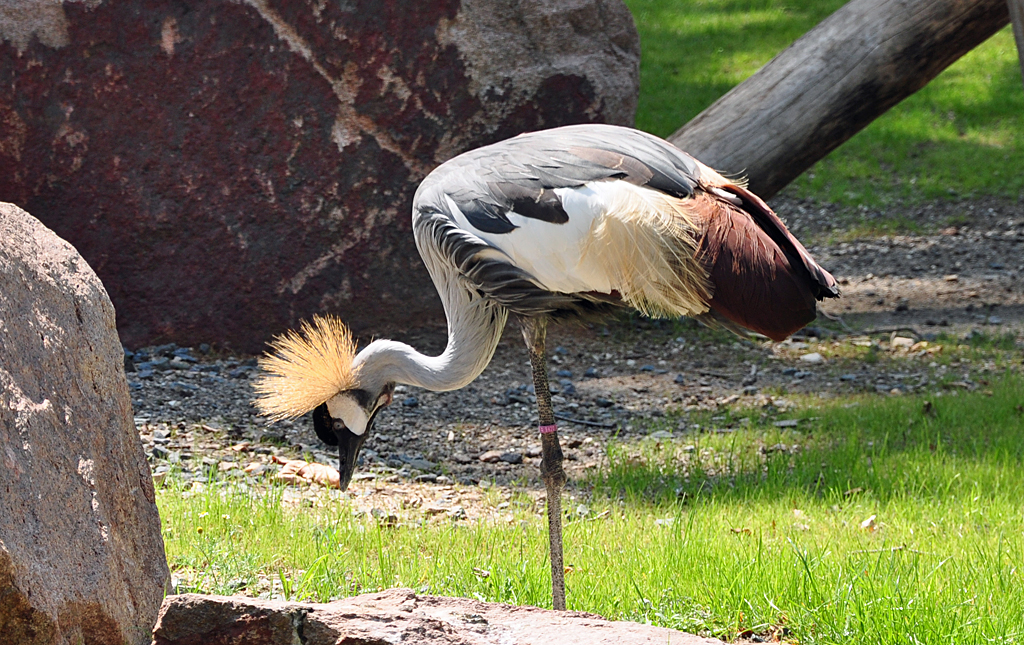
(300, 472)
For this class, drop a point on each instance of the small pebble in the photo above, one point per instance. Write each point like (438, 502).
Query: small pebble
(418, 463)
(164, 350)
(159, 452)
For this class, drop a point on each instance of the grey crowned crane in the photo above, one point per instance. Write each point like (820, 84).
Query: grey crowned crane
(559, 224)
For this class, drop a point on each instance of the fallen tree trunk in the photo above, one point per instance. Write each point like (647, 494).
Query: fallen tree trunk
(1017, 18)
(832, 82)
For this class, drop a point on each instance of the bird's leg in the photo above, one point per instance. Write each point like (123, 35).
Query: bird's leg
(534, 332)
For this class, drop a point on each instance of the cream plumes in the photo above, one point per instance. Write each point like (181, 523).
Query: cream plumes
(306, 368)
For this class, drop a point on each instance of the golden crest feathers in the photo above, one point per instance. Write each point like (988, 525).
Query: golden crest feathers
(306, 369)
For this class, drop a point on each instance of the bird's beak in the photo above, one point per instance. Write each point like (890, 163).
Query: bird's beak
(349, 445)
(333, 432)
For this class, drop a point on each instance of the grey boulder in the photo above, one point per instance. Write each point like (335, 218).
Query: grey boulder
(228, 168)
(81, 556)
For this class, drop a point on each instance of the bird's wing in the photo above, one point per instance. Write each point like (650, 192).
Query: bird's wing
(600, 209)
(583, 209)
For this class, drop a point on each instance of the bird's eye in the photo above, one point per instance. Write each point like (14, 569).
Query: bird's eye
(339, 425)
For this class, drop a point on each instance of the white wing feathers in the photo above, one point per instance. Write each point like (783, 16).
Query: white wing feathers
(620, 238)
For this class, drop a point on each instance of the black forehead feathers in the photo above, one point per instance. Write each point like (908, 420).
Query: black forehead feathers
(362, 397)
(323, 425)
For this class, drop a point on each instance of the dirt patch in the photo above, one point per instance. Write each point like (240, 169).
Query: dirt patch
(950, 263)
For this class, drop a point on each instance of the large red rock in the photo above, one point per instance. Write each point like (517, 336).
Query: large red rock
(393, 616)
(230, 167)
(81, 556)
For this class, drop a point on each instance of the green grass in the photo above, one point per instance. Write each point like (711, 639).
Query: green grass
(694, 51)
(961, 136)
(710, 532)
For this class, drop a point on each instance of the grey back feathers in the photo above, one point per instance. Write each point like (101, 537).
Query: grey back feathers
(519, 175)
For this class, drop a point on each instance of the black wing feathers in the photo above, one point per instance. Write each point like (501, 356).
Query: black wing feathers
(487, 216)
(533, 202)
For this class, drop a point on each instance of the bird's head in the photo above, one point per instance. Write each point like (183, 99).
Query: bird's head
(315, 369)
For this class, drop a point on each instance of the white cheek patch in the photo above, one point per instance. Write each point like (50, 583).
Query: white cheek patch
(351, 414)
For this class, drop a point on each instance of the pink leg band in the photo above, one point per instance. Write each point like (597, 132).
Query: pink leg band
(548, 429)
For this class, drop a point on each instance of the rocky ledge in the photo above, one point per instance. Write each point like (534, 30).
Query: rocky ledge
(393, 616)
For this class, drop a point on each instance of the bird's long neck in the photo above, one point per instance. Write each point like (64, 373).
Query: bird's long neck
(474, 328)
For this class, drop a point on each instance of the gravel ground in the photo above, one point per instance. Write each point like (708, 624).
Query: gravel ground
(435, 451)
